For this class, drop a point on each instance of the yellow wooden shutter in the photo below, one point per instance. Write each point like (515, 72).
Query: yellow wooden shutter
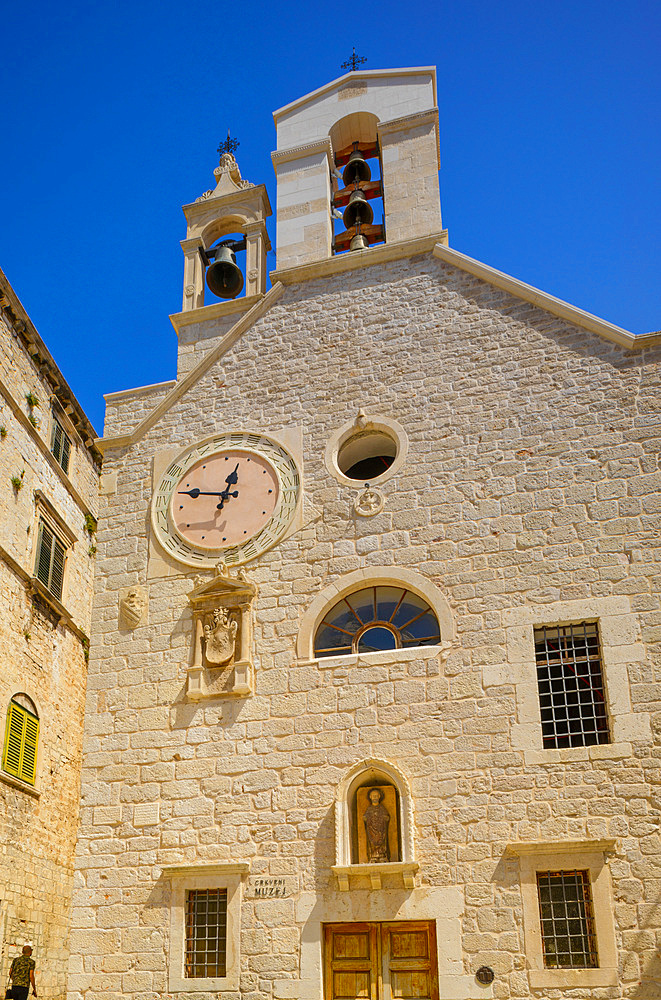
(19, 755)
(14, 736)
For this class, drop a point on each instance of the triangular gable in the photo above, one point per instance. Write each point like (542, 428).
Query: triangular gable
(376, 255)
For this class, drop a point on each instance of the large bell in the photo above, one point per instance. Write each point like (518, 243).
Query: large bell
(224, 276)
(358, 210)
(356, 169)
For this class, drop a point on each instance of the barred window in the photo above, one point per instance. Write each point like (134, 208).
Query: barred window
(206, 933)
(19, 755)
(51, 557)
(567, 919)
(572, 699)
(60, 445)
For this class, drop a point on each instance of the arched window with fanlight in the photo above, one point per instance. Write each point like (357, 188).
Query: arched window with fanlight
(19, 755)
(374, 619)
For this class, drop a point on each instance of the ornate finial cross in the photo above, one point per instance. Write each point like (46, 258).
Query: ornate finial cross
(354, 61)
(229, 145)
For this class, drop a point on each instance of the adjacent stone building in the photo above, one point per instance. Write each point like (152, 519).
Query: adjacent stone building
(373, 705)
(49, 488)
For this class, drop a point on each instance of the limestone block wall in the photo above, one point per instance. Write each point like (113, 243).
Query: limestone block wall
(43, 650)
(532, 481)
(38, 825)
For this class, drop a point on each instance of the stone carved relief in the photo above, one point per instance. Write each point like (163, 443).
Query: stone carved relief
(228, 179)
(221, 663)
(132, 606)
(369, 502)
(220, 637)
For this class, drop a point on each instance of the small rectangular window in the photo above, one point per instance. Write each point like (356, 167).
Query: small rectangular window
(572, 698)
(19, 756)
(60, 445)
(206, 933)
(567, 920)
(51, 557)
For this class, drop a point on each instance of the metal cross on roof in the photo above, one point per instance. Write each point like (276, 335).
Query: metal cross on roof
(354, 61)
(229, 145)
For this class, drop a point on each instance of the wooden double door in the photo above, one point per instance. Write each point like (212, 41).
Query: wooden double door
(381, 961)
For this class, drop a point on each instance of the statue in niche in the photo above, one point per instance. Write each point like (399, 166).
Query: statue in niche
(378, 840)
(377, 820)
(220, 637)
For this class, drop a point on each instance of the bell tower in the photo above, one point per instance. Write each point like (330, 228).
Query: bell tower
(234, 206)
(369, 137)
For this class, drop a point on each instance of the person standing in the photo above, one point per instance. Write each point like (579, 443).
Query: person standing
(21, 974)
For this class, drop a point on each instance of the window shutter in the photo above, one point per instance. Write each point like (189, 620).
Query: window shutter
(14, 733)
(57, 569)
(44, 550)
(29, 761)
(66, 450)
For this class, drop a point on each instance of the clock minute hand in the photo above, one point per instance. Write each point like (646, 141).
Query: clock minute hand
(195, 493)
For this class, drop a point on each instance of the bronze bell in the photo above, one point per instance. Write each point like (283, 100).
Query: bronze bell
(358, 242)
(224, 276)
(357, 169)
(358, 210)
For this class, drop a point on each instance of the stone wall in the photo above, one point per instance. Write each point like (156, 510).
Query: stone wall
(532, 479)
(42, 655)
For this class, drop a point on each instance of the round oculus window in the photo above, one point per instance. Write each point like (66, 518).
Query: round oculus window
(366, 455)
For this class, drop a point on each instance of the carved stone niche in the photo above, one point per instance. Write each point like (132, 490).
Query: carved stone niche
(221, 664)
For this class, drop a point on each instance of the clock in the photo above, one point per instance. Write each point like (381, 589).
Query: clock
(229, 497)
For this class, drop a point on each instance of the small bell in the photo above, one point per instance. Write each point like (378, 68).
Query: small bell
(358, 210)
(224, 276)
(358, 242)
(357, 169)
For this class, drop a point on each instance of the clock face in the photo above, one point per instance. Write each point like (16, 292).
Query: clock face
(230, 497)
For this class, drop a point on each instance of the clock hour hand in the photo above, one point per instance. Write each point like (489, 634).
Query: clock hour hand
(231, 480)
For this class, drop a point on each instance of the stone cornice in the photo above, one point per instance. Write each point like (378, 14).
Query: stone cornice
(279, 156)
(357, 259)
(521, 848)
(258, 192)
(213, 311)
(244, 323)
(11, 305)
(45, 450)
(547, 302)
(217, 868)
(429, 117)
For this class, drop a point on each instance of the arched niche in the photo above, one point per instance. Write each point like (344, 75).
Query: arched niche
(350, 860)
(374, 576)
(358, 127)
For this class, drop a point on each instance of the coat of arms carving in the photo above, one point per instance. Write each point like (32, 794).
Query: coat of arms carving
(221, 663)
(220, 637)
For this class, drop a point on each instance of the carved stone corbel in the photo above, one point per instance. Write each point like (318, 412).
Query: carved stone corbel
(221, 662)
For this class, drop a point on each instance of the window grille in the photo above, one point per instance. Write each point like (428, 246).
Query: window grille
(571, 686)
(60, 445)
(51, 557)
(567, 919)
(19, 756)
(206, 933)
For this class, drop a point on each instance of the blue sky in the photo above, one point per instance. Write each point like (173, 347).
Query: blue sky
(550, 149)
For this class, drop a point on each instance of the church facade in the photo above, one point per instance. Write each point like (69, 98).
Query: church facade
(373, 706)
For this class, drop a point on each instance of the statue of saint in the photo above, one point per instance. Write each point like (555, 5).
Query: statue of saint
(376, 819)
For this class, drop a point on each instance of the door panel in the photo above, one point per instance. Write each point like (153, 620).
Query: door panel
(381, 961)
(351, 962)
